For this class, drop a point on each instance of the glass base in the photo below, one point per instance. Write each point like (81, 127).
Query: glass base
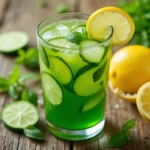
(76, 135)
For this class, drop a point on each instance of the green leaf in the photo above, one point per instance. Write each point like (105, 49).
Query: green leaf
(14, 74)
(62, 8)
(29, 95)
(26, 77)
(44, 56)
(84, 32)
(31, 58)
(34, 133)
(75, 37)
(128, 135)
(13, 92)
(98, 73)
(129, 125)
(28, 58)
(4, 84)
(21, 56)
(118, 139)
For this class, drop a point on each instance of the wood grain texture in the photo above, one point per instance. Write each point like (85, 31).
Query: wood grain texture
(3, 4)
(25, 15)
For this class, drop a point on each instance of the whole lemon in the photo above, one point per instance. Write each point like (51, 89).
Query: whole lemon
(130, 68)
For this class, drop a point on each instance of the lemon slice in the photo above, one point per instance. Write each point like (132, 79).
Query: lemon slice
(143, 100)
(99, 22)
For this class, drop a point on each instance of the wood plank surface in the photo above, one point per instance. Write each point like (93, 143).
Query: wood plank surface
(25, 15)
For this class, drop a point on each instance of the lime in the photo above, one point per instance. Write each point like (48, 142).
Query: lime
(13, 40)
(20, 114)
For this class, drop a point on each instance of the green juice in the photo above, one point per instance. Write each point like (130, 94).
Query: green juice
(74, 78)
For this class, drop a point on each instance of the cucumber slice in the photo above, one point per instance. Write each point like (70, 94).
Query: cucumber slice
(78, 28)
(95, 54)
(84, 84)
(60, 70)
(20, 114)
(92, 101)
(51, 89)
(12, 41)
(62, 42)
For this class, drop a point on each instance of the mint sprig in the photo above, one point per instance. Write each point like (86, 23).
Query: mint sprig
(29, 58)
(122, 137)
(34, 133)
(15, 82)
(77, 37)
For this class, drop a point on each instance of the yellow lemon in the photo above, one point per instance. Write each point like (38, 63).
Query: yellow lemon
(99, 22)
(130, 69)
(143, 100)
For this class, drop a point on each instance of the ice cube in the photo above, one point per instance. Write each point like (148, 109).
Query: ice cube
(50, 34)
(63, 30)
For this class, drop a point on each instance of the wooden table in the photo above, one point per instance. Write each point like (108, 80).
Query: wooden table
(25, 15)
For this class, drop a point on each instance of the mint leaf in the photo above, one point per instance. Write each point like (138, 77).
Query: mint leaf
(21, 56)
(98, 73)
(128, 135)
(44, 56)
(28, 58)
(31, 58)
(29, 95)
(14, 74)
(4, 84)
(26, 77)
(121, 138)
(34, 133)
(129, 125)
(84, 32)
(62, 8)
(118, 139)
(75, 37)
(13, 92)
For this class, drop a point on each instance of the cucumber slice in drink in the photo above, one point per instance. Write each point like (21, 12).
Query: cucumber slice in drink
(78, 28)
(20, 114)
(62, 42)
(92, 101)
(84, 84)
(12, 41)
(60, 70)
(51, 89)
(93, 55)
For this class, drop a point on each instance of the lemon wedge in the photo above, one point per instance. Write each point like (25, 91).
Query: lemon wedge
(143, 100)
(99, 22)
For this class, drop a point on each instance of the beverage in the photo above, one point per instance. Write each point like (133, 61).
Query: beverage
(74, 77)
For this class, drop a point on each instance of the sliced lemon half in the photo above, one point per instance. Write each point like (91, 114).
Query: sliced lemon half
(143, 100)
(99, 22)
(125, 96)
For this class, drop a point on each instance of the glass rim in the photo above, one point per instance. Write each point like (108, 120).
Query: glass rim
(72, 50)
